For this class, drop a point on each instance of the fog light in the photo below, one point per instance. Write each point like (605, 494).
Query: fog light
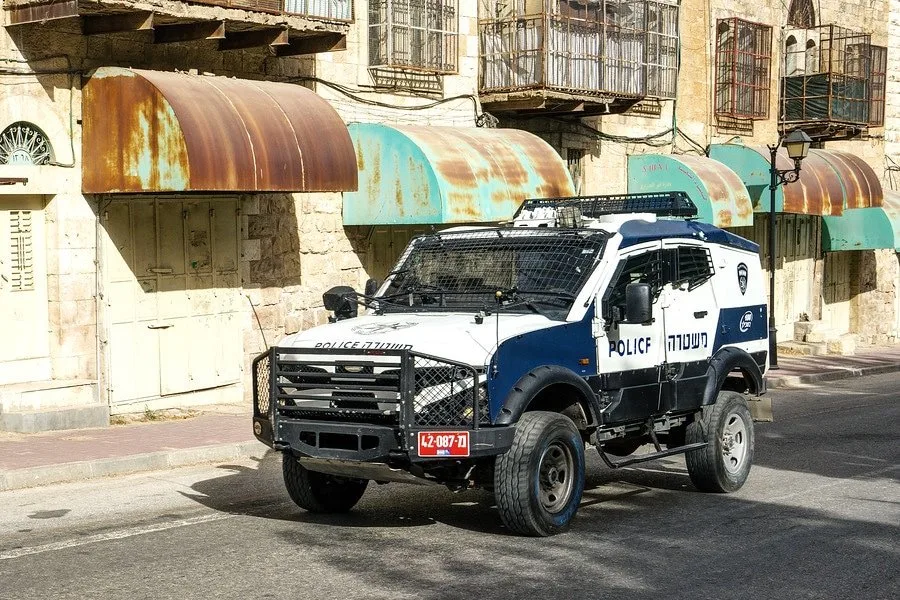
(257, 428)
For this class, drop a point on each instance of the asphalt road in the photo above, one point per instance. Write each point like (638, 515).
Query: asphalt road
(818, 518)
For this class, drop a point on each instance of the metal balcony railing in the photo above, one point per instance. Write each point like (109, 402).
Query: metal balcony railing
(611, 47)
(827, 76)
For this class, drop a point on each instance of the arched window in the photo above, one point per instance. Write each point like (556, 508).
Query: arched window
(812, 57)
(791, 65)
(801, 14)
(23, 143)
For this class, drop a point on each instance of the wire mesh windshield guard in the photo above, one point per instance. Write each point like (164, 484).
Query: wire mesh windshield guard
(534, 270)
(569, 210)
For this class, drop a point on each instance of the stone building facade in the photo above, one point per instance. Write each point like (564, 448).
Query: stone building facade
(91, 329)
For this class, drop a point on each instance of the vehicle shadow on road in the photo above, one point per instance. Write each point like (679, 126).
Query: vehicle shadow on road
(405, 506)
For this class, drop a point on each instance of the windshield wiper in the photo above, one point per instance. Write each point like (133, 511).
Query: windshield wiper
(561, 294)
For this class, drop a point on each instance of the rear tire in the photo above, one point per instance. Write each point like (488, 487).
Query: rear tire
(724, 464)
(538, 483)
(320, 492)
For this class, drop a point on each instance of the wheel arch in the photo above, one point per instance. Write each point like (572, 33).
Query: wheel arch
(554, 389)
(726, 361)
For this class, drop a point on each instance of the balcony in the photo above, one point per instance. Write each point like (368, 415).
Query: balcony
(285, 27)
(827, 87)
(576, 57)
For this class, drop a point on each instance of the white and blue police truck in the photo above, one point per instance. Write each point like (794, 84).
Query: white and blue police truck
(491, 356)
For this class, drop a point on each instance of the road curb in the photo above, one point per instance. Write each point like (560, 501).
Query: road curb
(123, 465)
(836, 374)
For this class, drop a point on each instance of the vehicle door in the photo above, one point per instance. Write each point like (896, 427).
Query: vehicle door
(630, 354)
(689, 315)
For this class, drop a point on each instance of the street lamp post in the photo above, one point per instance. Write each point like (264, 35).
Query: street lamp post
(797, 145)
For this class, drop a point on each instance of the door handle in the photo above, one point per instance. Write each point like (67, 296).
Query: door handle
(158, 326)
(700, 314)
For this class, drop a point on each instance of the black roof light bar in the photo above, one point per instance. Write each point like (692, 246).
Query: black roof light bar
(662, 204)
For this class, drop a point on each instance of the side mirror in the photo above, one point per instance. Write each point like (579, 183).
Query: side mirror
(638, 304)
(371, 287)
(341, 299)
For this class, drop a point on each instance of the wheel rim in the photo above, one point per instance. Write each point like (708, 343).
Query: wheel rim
(556, 477)
(734, 443)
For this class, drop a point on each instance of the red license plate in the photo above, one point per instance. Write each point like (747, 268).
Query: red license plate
(443, 443)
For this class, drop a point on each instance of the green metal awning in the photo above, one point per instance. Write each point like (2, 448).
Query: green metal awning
(718, 192)
(421, 175)
(868, 228)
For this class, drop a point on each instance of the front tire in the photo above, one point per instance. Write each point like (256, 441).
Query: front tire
(320, 492)
(538, 483)
(724, 464)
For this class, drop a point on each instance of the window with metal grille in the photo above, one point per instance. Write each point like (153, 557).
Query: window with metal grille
(413, 34)
(662, 49)
(21, 251)
(624, 47)
(695, 267)
(743, 69)
(877, 79)
(575, 162)
(642, 268)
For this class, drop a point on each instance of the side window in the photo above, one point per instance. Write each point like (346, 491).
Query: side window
(694, 267)
(641, 268)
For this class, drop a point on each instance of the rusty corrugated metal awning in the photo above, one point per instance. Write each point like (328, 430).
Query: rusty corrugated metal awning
(718, 192)
(155, 131)
(830, 180)
(415, 175)
(867, 228)
(860, 184)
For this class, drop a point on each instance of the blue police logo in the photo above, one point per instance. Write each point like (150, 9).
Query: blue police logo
(742, 277)
(746, 321)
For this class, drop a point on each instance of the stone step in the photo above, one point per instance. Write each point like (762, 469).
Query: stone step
(813, 331)
(73, 417)
(802, 349)
(845, 345)
(46, 395)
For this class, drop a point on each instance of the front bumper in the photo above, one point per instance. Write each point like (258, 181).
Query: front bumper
(309, 402)
(375, 443)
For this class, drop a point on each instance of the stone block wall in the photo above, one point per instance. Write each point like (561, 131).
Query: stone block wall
(294, 248)
(72, 287)
(892, 102)
(874, 316)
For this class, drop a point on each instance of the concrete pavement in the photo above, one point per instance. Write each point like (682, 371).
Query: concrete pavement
(28, 460)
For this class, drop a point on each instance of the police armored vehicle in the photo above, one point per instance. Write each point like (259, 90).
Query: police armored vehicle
(490, 356)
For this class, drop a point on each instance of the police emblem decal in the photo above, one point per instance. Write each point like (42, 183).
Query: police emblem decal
(746, 322)
(376, 328)
(742, 277)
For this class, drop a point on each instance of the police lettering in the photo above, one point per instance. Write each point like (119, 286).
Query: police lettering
(363, 345)
(686, 341)
(630, 347)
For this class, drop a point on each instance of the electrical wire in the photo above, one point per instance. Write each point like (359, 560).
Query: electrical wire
(353, 94)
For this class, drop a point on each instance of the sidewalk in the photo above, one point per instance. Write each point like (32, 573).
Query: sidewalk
(28, 460)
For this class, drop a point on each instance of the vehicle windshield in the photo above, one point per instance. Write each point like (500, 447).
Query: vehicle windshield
(534, 270)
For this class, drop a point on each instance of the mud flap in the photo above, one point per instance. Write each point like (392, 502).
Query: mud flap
(761, 409)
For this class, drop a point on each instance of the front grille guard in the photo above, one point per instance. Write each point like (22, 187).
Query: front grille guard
(388, 387)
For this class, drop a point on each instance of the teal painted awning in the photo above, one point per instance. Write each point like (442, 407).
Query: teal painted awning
(421, 175)
(718, 192)
(868, 228)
